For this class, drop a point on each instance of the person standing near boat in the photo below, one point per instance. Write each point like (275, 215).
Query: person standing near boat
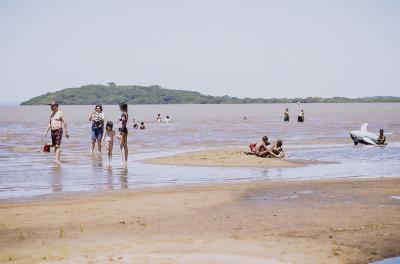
(56, 123)
(97, 119)
(123, 130)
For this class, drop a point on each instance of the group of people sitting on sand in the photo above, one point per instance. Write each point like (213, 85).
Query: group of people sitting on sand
(264, 149)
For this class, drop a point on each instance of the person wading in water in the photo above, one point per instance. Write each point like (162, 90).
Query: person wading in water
(97, 119)
(56, 123)
(123, 130)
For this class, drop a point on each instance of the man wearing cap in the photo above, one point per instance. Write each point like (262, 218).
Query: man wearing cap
(56, 123)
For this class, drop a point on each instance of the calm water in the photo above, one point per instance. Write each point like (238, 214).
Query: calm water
(26, 172)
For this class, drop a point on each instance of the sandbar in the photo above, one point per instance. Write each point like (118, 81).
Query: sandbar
(224, 158)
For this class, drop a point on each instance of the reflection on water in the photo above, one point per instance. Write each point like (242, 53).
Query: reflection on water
(110, 182)
(123, 177)
(56, 179)
(25, 171)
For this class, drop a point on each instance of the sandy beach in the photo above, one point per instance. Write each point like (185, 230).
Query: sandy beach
(224, 158)
(326, 221)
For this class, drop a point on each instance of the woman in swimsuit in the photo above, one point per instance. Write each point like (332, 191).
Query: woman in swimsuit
(97, 119)
(123, 130)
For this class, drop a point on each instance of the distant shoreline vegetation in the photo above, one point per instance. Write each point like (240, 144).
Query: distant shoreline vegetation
(112, 94)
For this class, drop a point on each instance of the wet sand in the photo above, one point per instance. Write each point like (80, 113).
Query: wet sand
(224, 158)
(327, 221)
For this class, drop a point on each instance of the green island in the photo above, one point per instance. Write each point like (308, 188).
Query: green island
(112, 94)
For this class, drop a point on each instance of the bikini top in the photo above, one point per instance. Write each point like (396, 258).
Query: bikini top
(124, 119)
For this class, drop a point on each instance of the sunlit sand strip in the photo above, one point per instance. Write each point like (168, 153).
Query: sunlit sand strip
(223, 158)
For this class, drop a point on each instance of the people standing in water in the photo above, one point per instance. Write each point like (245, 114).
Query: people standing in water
(97, 119)
(167, 120)
(286, 115)
(108, 140)
(142, 126)
(300, 117)
(381, 138)
(158, 120)
(123, 130)
(56, 123)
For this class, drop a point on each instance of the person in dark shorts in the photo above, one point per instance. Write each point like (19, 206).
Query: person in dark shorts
(56, 123)
(286, 115)
(97, 119)
(300, 117)
(123, 132)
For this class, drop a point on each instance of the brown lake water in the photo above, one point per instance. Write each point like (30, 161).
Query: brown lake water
(324, 136)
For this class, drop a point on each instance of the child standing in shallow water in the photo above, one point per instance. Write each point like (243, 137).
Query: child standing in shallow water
(108, 140)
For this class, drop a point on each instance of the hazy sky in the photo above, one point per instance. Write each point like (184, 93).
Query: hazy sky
(240, 48)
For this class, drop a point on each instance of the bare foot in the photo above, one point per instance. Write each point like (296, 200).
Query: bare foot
(57, 161)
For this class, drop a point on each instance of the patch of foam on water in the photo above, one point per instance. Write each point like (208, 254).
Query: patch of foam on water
(397, 197)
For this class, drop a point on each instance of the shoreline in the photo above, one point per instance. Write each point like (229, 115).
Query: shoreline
(251, 222)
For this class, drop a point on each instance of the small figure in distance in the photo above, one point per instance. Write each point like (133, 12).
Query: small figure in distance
(167, 120)
(286, 115)
(158, 120)
(108, 140)
(259, 147)
(245, 118)
(142, 126)
(381, 138)
(135, 126)
(300, 118)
